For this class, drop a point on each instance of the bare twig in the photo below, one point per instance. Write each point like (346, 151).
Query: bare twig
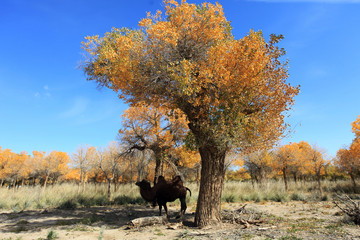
(349, 207)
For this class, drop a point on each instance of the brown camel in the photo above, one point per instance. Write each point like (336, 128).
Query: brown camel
(164, 192)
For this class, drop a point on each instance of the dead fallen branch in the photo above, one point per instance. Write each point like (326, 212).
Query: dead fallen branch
(349, 207)
(147, 221)
(242, 216)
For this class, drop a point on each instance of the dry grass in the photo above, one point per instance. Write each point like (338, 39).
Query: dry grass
(272, 190)
(34, 197)
(68, 195)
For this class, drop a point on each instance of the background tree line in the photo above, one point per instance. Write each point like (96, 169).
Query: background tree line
(134, 157)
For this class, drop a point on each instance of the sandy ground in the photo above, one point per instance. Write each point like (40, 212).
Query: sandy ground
(290, 220)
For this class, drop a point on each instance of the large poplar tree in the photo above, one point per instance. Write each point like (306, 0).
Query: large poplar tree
(232, 91)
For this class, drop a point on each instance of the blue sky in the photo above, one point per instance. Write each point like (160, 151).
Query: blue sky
(46, 103)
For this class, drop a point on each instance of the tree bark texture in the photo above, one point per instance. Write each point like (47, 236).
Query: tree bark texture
(45, 182)
(109, 189)
(208, 210)
(158, 166)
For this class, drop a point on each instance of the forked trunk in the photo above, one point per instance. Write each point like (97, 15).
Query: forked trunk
(208, 210)
(116, 183)
(158, 166)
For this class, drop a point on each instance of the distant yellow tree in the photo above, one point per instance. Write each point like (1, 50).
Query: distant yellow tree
(285, 158)
(349, 159)
(23, 171)
(258, 164)
(238, 175)
(82, 160)
(333, 171)
(12, 166)
(73, 175)
(356, 128)
(315, 162)
(34, 166)
(54, 165)
(3, 161)
(187, 160)
(153, 128)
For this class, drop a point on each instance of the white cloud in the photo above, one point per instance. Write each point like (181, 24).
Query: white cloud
(85, 111)
(43, 93)
(77, 109)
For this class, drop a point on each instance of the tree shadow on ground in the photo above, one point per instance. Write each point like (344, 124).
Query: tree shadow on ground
(80, 218)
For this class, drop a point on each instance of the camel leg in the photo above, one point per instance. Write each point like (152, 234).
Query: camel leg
(160, 209)
(154, 203)
(183, 207)
(166, 211)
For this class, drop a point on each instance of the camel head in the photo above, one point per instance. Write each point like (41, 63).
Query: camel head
(145, 185)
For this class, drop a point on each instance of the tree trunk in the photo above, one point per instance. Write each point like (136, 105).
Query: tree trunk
(198, 172)
(285, 179)
(208, 210)
(353, 181)
(295, 178)
(158, 161)
(116, 183)
(14, 185)
(109, 189)
(45, 183)
(83, 182)
(319, 183)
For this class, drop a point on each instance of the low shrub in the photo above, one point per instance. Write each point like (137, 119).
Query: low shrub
(52, 235)
(279, 197)
(229, 198)
(297, 197)
(70, 204)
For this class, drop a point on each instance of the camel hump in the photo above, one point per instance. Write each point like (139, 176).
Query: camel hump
(177, 180)
(161, 179)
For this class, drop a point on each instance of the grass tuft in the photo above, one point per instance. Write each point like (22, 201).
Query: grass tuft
(229, 198)
(297, 197)
(68, 205)
(52, 235)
